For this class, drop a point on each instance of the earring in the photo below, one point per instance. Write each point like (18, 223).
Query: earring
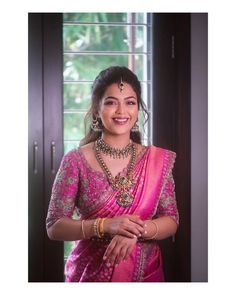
(96, 126)
(135, 128)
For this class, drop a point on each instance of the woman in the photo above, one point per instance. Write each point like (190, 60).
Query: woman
(123, 191)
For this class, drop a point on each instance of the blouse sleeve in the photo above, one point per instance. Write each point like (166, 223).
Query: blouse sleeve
(167, 204)
(64, 190)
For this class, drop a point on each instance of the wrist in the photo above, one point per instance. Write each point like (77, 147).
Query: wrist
(106, 226)
(152, 230)
(98, 227)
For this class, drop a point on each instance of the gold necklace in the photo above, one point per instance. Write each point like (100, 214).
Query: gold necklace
(114, 152)
(122, 183)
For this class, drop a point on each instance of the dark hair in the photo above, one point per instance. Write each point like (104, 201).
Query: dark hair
(105, 78)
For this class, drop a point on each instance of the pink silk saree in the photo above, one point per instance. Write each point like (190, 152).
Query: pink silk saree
(79, 187)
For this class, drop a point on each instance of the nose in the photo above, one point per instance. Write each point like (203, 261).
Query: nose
(120, 108)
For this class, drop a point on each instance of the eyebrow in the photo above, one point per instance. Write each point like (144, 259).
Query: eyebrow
(112, 97)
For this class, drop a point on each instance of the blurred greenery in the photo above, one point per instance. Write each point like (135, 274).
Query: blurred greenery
(102, 17)
(67, 248)
(101, 38)
(70, 145)
(74, 126)
(77, 96)
(87, 67)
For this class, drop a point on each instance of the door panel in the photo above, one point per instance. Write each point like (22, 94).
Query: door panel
(35, 151)
(45, 141)
(171, 108)
(53, 130)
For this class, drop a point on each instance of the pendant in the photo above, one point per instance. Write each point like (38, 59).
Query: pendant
(124, 199)
(123, 182)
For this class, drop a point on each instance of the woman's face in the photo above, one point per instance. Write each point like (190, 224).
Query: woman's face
(118, 110)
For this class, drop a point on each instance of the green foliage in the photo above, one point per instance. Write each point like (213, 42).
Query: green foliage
(74, 126)
(95, 17)
(95, 38)
(77, 96)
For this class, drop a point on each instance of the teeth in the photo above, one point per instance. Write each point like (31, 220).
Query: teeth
(120, 120)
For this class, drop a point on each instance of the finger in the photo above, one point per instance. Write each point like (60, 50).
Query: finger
(121, 255)
(136, 219)
(135, 229)
(128, 252)
(128, 234)
(109, 250)
(141, 229)
(114, 256)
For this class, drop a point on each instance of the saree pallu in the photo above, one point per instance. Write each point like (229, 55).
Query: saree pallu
(78, 186)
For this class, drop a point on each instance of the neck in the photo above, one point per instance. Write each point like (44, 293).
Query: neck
(116, 141)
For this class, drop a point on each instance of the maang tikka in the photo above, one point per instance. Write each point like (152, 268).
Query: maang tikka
(121, 85)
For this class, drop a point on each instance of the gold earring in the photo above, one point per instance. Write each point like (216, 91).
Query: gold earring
(96, 126)
(135, 128)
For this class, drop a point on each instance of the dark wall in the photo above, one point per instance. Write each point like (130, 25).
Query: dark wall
(45, 141)
(171, 125)
(199, 147)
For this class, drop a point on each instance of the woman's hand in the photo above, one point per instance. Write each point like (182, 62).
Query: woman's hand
(125, 225)
(119, 249)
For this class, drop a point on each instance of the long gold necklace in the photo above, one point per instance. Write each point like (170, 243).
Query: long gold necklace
(122, 183)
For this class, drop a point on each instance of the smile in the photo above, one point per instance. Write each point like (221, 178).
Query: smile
(121, 121)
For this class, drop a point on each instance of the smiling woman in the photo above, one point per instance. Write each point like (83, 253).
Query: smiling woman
(123, 208)
(119, 108)
(115, 101)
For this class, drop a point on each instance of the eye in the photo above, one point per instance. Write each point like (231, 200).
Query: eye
(109, 102)
(131, 102)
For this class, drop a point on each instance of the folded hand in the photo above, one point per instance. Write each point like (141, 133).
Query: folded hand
(119, 249)
(125, 225)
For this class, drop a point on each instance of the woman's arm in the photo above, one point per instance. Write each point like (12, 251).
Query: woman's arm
(168, 217)
(160, 228)
(67, 229)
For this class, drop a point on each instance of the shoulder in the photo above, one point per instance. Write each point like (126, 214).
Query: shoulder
(164, 152)
(87, 151)
(140, 148)
(162, 155)
(76, 152)
(72, 157)
(87, 148)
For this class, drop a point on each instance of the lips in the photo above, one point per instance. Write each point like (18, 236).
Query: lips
(120, 121)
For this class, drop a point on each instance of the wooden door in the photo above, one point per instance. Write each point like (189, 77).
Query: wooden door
(171, 125)
(45, 141)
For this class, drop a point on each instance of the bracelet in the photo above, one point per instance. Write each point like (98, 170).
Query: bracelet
(83, 229)
(101, 227)
(156, 233)
(96, 227)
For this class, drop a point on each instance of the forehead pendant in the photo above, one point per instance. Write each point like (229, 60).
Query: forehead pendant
(121, 85)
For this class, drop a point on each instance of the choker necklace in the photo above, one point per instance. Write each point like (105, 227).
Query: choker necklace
(122, 183)
(114, 152)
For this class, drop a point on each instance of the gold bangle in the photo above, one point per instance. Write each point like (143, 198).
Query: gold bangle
(83, 229)
(157, 231)
(101, 227)
(96, 227)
